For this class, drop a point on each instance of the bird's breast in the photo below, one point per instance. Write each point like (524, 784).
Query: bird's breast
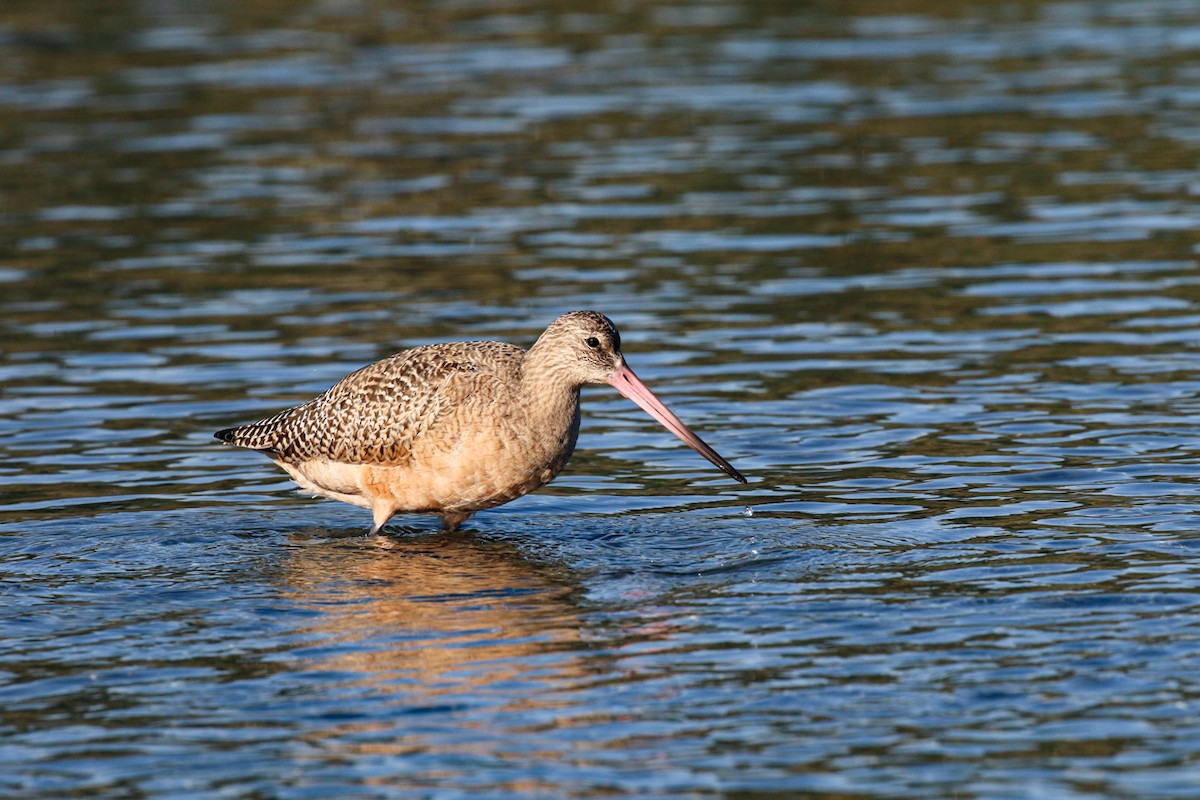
(477, 461)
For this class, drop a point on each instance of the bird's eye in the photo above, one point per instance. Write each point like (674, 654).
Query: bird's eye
(593, 342)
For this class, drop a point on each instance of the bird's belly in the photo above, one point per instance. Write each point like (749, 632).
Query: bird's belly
(469, 476)
(332, 479)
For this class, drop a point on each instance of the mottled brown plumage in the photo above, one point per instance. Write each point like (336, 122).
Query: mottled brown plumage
(453, 428)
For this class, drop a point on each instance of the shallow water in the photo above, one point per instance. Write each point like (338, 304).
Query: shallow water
(926, 273)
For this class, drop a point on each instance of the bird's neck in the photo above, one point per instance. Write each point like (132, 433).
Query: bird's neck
(543, 369)
(549, 393)
(550, 412)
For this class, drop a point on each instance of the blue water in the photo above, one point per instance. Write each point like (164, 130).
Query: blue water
(927, 276)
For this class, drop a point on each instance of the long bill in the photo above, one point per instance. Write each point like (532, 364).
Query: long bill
(628, 384)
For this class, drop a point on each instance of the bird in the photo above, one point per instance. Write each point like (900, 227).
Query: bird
(451, 429)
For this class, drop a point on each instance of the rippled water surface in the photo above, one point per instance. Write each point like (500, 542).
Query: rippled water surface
(925, 271)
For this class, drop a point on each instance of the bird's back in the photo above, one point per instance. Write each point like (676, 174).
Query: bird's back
(379, 414)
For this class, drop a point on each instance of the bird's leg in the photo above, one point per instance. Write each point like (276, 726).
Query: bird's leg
(451, 521)
(381, 514)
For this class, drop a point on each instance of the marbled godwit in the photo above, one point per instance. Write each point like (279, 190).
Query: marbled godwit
(451, 429)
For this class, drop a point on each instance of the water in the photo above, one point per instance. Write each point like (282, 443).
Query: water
(928, 275)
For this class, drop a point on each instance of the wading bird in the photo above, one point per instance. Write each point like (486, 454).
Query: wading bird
(451, 429)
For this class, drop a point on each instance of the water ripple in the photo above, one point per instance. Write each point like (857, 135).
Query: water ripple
(928, 280)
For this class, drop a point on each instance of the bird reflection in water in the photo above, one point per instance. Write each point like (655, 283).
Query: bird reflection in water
(452, 628)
